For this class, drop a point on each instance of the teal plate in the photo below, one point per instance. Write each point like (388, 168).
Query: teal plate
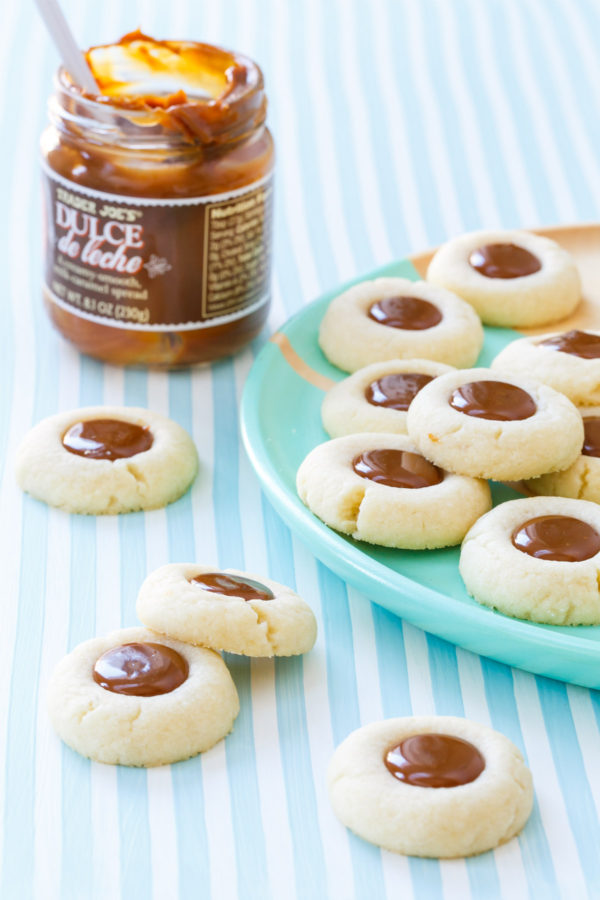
(281, 422)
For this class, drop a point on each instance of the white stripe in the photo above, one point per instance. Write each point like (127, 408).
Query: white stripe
(547, 786)
(588, 737)
(419, 673)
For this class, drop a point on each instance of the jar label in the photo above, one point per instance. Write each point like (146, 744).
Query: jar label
(157, 264)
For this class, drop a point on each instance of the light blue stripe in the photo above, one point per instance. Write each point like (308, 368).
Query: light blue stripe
(345, 715)
(239, 746)
(537, 858)
(180, 520)
(391, 655)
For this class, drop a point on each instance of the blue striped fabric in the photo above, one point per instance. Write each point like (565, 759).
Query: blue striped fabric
(398, 123)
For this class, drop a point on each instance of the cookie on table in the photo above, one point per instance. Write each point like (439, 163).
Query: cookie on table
(537, 559)
(581, 480)
(135, 698)
(511, 278)
(106, 459)
(567, 361)
(378, 488)
(394, 318)
(436, 786)
(377, 397)
(489, 424)
(226, 609)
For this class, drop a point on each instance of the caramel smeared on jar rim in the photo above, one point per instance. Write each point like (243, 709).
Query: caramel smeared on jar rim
(107, 439)
(591, 441)
(408, 313)
(233, 586)
(140, 670)
(504, 261)
(495, 400)
(396, 391)
(397, 468)
(559, 538)
(434, 761)
(576, 343)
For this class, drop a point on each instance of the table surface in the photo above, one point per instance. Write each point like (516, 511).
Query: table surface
(398, 123)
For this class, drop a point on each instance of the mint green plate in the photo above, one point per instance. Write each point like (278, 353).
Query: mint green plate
(281, 422)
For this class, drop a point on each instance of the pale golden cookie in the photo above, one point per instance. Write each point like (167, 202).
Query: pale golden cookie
(543, 588)
(133, 730)
(578, 377)
(436, 512)
(161, 468)
(226, 609)
(377, 397)
(511, 278)
(434, 324)
(450, 427)
(581, 480)
(381, 786)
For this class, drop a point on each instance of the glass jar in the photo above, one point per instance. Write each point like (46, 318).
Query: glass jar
(158, 207)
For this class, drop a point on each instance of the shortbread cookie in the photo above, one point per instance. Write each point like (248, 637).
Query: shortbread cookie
(581, 480)
(105, 459)
(511, 278)
(377, 397)
(537, 559)
(134, 698)
(490, 425)
(379, 489)
(227, 610)
(435, 786)
(567, 361)
(394, 318)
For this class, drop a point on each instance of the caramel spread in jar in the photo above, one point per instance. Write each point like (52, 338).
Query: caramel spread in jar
(158, 204)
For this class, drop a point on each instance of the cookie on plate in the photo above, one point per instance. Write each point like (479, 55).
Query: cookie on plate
(436, 786)
(377, 397)
(537, 559)
(511, 278)
(581, 480)
(106, 459)
(394, 318)
(489, 424)
(379, 489)
(226, 609)
(133, 698)
(567, 361)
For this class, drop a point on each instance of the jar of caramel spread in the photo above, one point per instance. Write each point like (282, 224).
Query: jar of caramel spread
(158, 204)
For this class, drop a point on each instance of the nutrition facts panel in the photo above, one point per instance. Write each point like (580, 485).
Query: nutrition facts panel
(398, 124)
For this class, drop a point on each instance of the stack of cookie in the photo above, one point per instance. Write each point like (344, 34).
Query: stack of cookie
(414, 441)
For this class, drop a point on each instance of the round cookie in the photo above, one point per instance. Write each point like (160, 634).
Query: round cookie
(581, 480)
(567, 361)
(558, 585)
(226, 609)
(492, 425)
(436, 786)
(399, 500)
(511, 278)
(104, 459)
(141, 707)
(377, 397)
(394, 318)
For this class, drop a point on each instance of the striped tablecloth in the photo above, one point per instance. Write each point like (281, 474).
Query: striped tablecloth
(398, 123)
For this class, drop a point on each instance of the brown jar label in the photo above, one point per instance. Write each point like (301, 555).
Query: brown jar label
(157, 264)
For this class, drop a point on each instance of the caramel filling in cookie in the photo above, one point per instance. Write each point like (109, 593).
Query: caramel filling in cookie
(577, 343)
(107, 439)
(434, 760)
(140, 670)
(396, 391)
(397, 468)
(504, 261)
(233, 586)
(494, 400)
(560, 538)
(409, 313)
(591, 441)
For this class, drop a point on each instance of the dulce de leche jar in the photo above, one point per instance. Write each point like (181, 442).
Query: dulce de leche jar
(158, 204)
